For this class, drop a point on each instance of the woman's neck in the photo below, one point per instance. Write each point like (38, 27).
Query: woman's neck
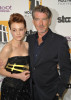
(16, 43)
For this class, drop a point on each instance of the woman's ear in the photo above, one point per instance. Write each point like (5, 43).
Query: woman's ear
(25, 30)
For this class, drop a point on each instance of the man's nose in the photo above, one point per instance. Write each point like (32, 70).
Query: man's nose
(41, 22)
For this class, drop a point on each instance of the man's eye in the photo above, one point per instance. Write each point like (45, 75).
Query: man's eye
(36, 19)
(44, 18)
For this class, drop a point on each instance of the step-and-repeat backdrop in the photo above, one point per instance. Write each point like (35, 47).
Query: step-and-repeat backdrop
(61, 21)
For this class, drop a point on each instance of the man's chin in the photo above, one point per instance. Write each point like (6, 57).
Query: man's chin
(41, 32)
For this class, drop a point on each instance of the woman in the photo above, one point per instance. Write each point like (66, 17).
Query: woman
(15, 85)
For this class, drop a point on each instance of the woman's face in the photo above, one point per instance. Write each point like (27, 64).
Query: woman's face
(18, 31)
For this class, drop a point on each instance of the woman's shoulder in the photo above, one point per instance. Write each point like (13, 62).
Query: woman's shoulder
(7, 47)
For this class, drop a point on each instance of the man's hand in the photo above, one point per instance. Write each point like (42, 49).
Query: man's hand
(23, 76)
(57, 94)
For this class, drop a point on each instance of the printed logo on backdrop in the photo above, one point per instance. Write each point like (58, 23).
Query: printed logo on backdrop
(4, 32)
(64, 2)
(28, 17)
(69, 40)
(5, 8)
(64, 19)
(32, 4)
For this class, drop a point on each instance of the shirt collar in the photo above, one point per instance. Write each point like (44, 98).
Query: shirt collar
(44, 37)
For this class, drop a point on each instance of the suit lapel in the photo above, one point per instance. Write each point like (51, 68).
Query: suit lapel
(31, 52)
(45, 45)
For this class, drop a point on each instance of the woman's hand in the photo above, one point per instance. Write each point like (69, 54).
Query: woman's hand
(23, 76)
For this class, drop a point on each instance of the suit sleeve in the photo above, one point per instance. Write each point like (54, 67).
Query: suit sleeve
(65, 66)
(29, 38)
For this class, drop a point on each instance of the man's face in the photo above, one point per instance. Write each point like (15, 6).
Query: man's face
(41, 22)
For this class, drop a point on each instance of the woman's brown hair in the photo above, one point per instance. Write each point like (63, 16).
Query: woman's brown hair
(18, 18)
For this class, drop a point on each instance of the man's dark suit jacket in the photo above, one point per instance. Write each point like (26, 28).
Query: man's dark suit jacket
(46, 79)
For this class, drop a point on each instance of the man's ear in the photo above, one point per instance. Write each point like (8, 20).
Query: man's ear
(50, 21)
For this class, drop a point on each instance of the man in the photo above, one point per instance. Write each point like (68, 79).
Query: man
(47, 50)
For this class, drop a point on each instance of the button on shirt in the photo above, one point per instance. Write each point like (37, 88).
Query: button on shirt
(38, 47)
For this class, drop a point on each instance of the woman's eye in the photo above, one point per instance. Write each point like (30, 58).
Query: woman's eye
(21, 29)
(14, 30)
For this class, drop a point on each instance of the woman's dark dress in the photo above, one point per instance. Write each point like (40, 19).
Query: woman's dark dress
(16, 89)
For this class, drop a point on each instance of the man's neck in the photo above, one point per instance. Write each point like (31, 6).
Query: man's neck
(40, 35)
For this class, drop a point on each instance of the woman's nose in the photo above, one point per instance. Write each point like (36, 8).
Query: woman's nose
(18, 32)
